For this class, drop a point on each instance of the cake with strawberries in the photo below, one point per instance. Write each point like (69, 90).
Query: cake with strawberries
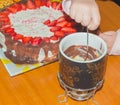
(30, 31)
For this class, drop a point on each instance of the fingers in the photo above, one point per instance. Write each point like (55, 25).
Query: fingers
(95, 19)
(87, 15)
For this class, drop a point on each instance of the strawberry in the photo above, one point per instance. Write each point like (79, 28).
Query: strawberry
(46, 39)
(53, 5)
(59, 6)
(3, 15)
(60, 19)
(48, 4)
(5, 25)
(54, 38)
(43, 2)
(18, 37)
(26, 40)
(8, 30)
(70, 24)
(47, 22)
(36, 41)
(62, 23)
(59, 33)
(23, 7)
(30, 4)
(6, 12)
(4, 19)
(18, 7)
(53, 23)
(12, 34)
(56, 28)
(12, 9)
(68, 29)
(37, 3)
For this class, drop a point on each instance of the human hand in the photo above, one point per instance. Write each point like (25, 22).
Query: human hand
(85, 12)
(110, 38)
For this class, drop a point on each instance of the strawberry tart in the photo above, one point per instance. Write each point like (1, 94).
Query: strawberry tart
(30, 31)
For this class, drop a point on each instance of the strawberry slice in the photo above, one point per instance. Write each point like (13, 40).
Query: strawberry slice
(62, 23)
(30, 4)
(60, 19)
(37, 3)
(36, 41)
(43, 2)
(17, 6)
(53, 23)
(53, 5)
(46, 39)
(4, 19)
(12, 34)
(12, 9)
(59, 34)
(26, 40)
(68, 29)
(48, 4)
(4, 25)
(59, 6)
(70, 24)
(47, 22)
(3, 14)
(6, 12)
(23, 7)
(8, 30)
(18, 37)
(54, 38)
(56, 28)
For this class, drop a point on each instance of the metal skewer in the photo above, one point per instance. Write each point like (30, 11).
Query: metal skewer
(87, 39)
(87, 43)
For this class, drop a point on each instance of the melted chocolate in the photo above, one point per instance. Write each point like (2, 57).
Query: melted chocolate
(78, 52)
(28, 54)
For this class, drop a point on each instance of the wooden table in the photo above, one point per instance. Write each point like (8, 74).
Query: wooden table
(41, 86)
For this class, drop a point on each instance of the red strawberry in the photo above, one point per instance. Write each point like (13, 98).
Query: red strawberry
(26, 40)
(47, 22)
(54, 38)
(43, 2)
(54, 4)
(71, 24)
(17, 6)
(46, 39)
(68, 29)
(23, 7)
(38, 3)
(62, 23)
(18, 36)
(53, 23)
(5, 25)
(59, 6)
(3, 14)
(4, 19)
(56, 28)
(12, 34)
(12, 9)
(60, 19)
(59, 33)
(30, 4)
(8, 30)
(48, 4)
(36, 41)
(6, 12)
